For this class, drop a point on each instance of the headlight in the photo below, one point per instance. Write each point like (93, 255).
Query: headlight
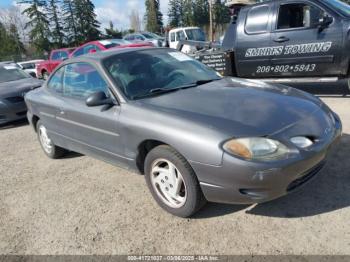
(301, 141)
(256, 148)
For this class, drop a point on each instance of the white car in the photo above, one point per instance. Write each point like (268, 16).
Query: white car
(30, 66)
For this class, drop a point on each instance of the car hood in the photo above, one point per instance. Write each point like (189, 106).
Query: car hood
(19, 86)
(238, 107)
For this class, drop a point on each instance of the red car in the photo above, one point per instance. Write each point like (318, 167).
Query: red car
(44, 68)
(102, 45)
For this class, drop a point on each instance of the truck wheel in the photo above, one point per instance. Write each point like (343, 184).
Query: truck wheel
(50, 149)
(172, 182)
(45, 75)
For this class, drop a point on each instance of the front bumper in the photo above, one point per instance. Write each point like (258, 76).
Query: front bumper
(242, 182)
(12, 112)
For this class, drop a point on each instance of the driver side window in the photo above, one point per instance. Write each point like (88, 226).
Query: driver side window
(299, 15)
(81, 80)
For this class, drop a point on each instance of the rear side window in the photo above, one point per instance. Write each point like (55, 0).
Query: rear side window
(79, 52)
(55, 56)
(55, 82)
(81, 80)
(257, 20)
(59, 55)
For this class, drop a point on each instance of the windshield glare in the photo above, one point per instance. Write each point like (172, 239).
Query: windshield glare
(195, 34)
(137, 73)
(11, 73)
(340, 6)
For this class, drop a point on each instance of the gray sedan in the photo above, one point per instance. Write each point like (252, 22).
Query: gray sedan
(195, 136)
(14, 84)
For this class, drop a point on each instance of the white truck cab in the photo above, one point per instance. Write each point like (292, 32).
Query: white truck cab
(185, 33)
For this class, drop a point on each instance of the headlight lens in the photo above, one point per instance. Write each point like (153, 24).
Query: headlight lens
(256, 148)
(301, 141)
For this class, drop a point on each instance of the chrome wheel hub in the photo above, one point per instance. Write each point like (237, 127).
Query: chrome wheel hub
(168, 183)
(45, 140)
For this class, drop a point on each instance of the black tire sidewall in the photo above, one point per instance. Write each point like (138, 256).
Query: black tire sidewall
(195, 199)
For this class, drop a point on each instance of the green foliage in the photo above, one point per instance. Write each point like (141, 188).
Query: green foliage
(10, 43)
(54, 15)
(69, 22)
(111, 32)
(153, 16)
(87, 24)
(39, 24)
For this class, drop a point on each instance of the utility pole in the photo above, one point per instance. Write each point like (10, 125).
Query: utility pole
(211, 20)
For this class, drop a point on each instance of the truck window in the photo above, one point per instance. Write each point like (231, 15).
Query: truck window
(298, 15)
(55, 56)
(257, 20)
(180, 36)
(172, 37)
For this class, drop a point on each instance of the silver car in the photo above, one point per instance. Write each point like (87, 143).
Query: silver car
(195, 135)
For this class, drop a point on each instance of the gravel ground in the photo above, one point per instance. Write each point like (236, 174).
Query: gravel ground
(79, 205)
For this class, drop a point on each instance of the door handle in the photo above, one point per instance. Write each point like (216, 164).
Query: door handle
(62, 112)
(281, 39)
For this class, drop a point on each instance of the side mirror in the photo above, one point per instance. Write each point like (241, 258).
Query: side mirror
(99, 99)
(324, 22)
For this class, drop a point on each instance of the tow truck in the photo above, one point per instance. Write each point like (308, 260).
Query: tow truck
(293, 42)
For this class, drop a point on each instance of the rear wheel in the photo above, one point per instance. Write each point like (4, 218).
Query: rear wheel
(45, 75)
(173, 182)
(49, 148)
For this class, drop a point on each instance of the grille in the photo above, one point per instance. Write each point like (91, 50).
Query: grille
(15, 99)
(308, 175)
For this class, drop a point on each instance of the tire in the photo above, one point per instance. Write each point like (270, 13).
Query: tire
(45, 75)
(180, 198)
(49, 148)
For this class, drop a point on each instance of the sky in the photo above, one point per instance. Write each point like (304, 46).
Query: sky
(117, 11)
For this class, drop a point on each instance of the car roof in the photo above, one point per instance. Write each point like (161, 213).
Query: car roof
(30, 61)
(99, 56)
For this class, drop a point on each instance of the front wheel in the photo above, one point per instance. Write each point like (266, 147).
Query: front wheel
(172, 182)
(49, 148)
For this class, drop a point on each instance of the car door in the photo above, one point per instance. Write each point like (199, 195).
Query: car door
(253, 51)
(92, 130)
(50, 104)
(307, 49)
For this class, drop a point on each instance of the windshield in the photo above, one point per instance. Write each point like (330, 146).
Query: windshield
(339, 6)
(149, 36)
(12, 73)
(195, 34)
(141, 73)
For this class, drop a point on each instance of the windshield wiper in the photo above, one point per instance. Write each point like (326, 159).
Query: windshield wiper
(167, 90)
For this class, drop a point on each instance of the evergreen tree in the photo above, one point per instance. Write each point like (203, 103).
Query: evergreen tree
(153, 16)
(87, 24)
(11, 46)
(201, 12)
(174, 13)
(69, 22)
(111, 32)
(39, 24)
(54, 15)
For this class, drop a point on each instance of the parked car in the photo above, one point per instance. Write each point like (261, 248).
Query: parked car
(14, 84)
(155, 39)
(195, 136)
(30, 66)
(56, 57)
(102, 45)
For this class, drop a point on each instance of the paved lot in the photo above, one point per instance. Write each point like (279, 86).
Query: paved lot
(79, 205)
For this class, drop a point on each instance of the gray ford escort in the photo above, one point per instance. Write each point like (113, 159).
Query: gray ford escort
(195, 135)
